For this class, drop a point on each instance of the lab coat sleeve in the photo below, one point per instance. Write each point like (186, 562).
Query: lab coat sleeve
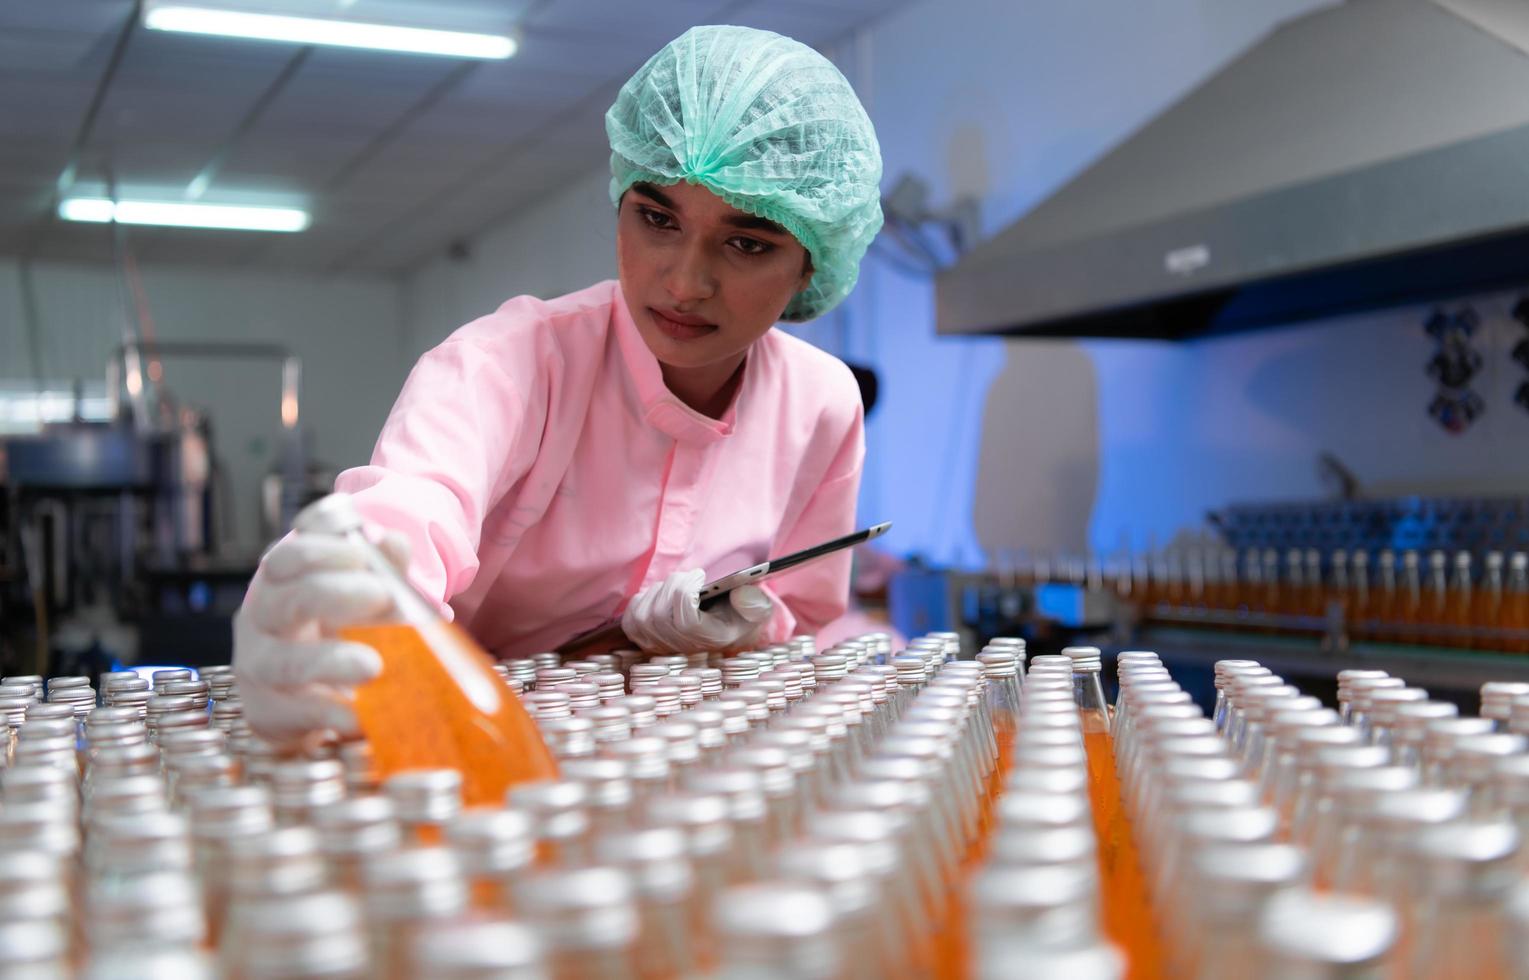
(464, 429)
(814, 595)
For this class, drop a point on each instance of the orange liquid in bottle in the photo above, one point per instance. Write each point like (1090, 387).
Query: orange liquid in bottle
(952, 957)
(1126, 911)
(439, 704)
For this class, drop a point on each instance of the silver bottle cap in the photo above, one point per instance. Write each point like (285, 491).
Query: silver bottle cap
(776, 928)
(492, 949)
(1027, 846)
(301, 784)
(742, 790)
(154, 907)
(48, 827)
(282, 861)
(648, 758)
(1236, 879)
(1050, 779)
(314, 935)
(34, 950)
(191, 741)
(32, 887)
(558, 808)
(657, 859)
(1053, 905)
(1307, 934)
(492, 842)
(580, 910)
(135, 843)
(1468, 860)
(607, 781)
(1042, 810)
(683, 740)
(777, 777)
(425, 795)
(415, 883)
(1233, 825)
(358, 826)
(37, 784)
(703, 818)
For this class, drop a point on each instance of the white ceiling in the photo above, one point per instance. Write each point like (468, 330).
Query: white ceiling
(398, 155)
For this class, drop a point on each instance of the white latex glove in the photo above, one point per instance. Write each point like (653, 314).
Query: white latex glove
(295, 676)
(666, 617)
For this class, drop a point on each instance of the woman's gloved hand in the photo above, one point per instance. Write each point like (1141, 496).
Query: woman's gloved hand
(666, 617)
(295, 675)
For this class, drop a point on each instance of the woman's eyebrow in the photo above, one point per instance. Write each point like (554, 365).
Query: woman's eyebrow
(655, 195)
(754, 222)
(742, 219)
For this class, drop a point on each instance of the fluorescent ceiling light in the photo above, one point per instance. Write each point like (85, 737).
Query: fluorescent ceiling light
(312, 30)
(181, 215)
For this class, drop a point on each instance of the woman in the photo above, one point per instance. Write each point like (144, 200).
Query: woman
(559, 462)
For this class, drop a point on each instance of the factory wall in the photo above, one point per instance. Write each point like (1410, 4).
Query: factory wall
(560, 245)
(983, 445)
(1067, 446)
(348, 332)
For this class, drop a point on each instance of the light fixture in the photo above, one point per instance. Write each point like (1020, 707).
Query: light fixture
(314, 30)
(182, 215)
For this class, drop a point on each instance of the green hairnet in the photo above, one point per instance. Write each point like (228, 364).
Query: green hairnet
(768, 125)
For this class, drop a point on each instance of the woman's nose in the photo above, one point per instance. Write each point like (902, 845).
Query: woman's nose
(690, 278)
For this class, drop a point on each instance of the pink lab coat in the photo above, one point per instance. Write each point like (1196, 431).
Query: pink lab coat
(544, 473)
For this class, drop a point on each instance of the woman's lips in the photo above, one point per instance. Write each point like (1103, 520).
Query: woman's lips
(681, 330)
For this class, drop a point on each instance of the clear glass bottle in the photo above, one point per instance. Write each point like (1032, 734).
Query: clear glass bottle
(674, 928)
(1465, 874)
(314, 935)
(1217, 932)
(300, 788)
(777, 929)
(1515, 616)
(1460, 613)
(438, 702)
(1307, 934)
(559, 813)
(588, 919)
(479, 948)
(493, 846)
(354, 831)
(425, 800)
(406, 892)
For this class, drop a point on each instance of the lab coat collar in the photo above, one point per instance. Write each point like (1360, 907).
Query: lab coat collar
(660, 407)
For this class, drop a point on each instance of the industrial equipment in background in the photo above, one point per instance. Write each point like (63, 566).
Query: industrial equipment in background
(114, 545)
(1440, 585)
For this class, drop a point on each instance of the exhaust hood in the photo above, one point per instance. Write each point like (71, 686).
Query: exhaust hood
(1368, 154)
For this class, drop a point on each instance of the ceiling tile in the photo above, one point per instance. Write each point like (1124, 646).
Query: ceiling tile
(85, 16)
(648, 25)
(503, 136)
(810, 24)
(48, 52)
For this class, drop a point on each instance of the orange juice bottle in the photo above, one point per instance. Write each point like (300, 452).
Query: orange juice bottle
(1515, 613)
(1409, 608)
(1338, 589)
(1293, 600)
(1434, 612)
(1460, 608)
(1316, 595)
(1486, 603)
(1360, 613)
(1388, 612)
(1126, 913)
(438, 704)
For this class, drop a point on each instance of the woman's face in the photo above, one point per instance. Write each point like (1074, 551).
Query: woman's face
(702, 279)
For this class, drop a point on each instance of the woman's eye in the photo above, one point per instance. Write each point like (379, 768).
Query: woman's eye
(751, 246)
(655, 219)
